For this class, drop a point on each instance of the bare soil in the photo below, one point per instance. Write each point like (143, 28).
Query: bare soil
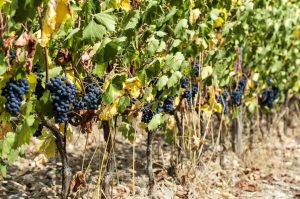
(270, 170)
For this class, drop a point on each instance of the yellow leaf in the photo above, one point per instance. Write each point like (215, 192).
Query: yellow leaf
(176, 101)
(125, 5)
(219, 22)
(70, 75)
(4, 129)
(57, 13)
(194, 15)
(218, 108)
(133, 85)
(48, 144)
(143, 125)
(109, 111)
(171, 122)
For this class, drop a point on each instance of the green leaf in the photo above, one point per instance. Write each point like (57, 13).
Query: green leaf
(153, 45)
(99, 69)
(133, 20)
(25, 9)
(53, 72)
(206, 72)
(174, 63)
(72, 33)
(162, 82)
(107, 20)
(157, 120)
(118, 80)
(127, 131)
(7, 144)
(181, 27)
(214, 14)
(123, 104)
(93, 32)
(174, 79)
(3, 168)
(25, 131)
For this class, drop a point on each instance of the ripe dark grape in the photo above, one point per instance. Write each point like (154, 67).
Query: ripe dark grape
(38, 132)
(39, 89)
(194, 90)
(63, 94)
(269, 96)
(14, 92)
(92, 98)
(12, 56)
(188, 95)
(185, 82)
(223, 100)
(132, 101)
(236, 97)
(237, 94)
(168, 105)
(147, 113)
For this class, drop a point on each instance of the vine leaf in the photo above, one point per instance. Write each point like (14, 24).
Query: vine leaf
(127, 131)
(123, 104)
(157, 120)
(133, 21)
(174, 79)
(47, 144)
(107, 20)
(93, 32)
(57, 13)
(162, 82)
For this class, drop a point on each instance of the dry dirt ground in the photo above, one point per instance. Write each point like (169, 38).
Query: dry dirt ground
(271, 170)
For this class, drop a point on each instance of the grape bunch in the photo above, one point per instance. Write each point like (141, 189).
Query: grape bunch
(92, 98)
(223, 100)
(63, 94)
(188, 96)
(14, 92)
(185, 82)
(147, 113)
(194, 90)
(237, 94)
(38, 132)
(168, 105)
(39, 89)
(12, 56)
(269, 96)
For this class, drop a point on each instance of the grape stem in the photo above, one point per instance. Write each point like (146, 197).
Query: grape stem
(61, 146)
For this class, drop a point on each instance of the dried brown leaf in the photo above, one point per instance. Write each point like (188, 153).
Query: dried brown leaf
(78, 181)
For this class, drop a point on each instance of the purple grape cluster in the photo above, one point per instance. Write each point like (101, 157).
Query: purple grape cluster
(147, 113)
(38, 132)
(12, 56)
(92, 98)
(39, 89)
(14, 92)
(63, 94)
(185, 82)
(188, 96)
(237, 94)
(168, 105)
(269, 96)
